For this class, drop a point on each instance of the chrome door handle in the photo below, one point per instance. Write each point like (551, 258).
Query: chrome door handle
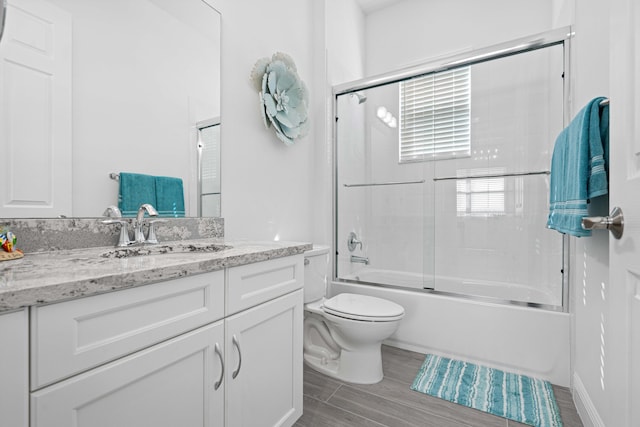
(614, 222)
(237, 345)
(217, 384)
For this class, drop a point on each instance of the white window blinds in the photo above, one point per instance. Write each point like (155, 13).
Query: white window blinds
(435, 115)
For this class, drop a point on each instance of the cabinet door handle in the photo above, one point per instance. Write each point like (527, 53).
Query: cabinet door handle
(217, 384)
(237, 344)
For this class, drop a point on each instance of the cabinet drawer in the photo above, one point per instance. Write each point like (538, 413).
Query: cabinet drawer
(167, 385)
(252, 284)
(76, 335)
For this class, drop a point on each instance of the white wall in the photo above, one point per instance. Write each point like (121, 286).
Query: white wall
(413, 30)
(266, 186)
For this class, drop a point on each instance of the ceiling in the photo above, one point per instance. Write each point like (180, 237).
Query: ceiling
(369, 6)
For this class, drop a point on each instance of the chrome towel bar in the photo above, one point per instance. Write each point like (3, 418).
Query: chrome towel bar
(375, 184)
(496, 175)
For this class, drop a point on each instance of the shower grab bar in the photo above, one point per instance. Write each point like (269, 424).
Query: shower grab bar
(375, 184)
(496, 175)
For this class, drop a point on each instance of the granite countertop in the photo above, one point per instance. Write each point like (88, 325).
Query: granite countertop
(53, 276)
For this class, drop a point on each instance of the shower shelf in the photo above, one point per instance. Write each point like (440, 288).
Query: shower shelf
(493, 175)
(375, 184)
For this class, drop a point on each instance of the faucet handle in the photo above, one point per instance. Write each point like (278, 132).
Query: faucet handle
(151, 236)
(353, 242)
(112, 212)
(123, 240)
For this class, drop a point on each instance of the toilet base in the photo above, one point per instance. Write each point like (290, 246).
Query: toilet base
(363, 366)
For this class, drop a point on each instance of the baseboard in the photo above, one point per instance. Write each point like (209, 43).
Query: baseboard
(586, 410)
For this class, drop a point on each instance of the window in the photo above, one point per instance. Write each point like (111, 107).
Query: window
(435, 115)
(482, 196)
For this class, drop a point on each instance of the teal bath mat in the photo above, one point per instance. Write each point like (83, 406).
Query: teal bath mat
(517, 397)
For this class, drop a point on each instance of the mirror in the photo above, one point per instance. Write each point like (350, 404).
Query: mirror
(94, 88)
(209, 168)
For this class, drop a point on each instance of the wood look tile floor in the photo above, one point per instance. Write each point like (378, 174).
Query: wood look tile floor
(332, 403)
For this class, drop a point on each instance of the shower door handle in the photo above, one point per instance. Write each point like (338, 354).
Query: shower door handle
(614, 222)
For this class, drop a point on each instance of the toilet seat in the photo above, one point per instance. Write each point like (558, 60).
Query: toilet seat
(363, 307)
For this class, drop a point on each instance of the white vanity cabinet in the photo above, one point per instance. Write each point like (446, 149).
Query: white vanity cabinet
(215, 349)
(14, 369)
(264, 344)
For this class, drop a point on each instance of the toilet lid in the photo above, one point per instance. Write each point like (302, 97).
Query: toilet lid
(363, 307)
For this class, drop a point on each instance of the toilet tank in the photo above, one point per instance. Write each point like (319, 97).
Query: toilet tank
(316, 273)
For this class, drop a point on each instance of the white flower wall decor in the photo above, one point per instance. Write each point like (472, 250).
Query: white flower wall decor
(284, 99)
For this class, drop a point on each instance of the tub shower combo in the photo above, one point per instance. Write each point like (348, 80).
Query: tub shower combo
(441, 188)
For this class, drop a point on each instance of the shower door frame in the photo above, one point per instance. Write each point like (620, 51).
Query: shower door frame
(561, 36)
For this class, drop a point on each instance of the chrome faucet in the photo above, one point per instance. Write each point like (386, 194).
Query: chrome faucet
(138, 233)
(360, 259)
(112, 212)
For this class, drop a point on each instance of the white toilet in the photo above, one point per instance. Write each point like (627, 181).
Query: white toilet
(343, 334)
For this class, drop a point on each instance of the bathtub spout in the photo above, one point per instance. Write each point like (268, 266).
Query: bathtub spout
(360, 259)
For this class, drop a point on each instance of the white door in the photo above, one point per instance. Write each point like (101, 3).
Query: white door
(621, 351)
(264, 351)
(170, 384)
(35, 110)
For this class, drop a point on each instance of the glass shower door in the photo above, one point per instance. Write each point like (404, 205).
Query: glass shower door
(382, 219)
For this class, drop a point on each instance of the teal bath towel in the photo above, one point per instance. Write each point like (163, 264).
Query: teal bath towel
(170, 196)
(135, 189)
(579, 168)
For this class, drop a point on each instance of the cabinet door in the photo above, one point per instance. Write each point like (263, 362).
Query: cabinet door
(14, 369)
(264, 351)
(170, 384)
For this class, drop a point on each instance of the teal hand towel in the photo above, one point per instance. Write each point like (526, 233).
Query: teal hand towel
(135, 189)
(170, 196)
(578, 168)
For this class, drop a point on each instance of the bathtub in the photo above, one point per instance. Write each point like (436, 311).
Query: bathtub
(502, 291)
(515, 338)
(391, 278)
